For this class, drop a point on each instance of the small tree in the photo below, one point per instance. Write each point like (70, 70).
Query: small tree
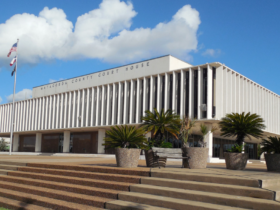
(125, 137)
(205, 131)
(185, 130)
(241, 126)
(3, 144)
(161, 123)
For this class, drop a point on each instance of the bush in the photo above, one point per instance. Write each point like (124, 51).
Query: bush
(271, 146)
(125, 137)
(237, 148)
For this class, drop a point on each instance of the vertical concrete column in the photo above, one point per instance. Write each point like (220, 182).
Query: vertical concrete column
(182, 95)
(93, 111)
(166, 92)
(120, 103)
(38, 143)
(69, 109)
(15, 142)
(209, 141)
(138, 100)
(152, 94)
(159, 93)
(87, 108)
(66, 103)
(114, 105)
(174, 92)
(108, 110)
(199, 92)
(97, 107)
(101, 135)
(125, 105)
(78, 109)
(66, 141)
(132, 102)
(191, 94)
(209, 92)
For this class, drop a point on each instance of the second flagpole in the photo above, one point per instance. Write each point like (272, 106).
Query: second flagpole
(13, 107)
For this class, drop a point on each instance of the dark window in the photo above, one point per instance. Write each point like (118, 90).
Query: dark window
(27, 143)
(129, 95)
(187, 93)
(214, 93)
(171, 92)
(204, 91)
(162, 92)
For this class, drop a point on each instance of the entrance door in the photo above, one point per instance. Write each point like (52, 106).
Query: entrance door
(60, 144)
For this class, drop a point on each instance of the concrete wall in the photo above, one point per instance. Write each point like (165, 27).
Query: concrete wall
(237, 93)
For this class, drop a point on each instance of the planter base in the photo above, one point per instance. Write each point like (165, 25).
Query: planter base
(272, 162)
(127, 158)
(236, 161)
(199, 156)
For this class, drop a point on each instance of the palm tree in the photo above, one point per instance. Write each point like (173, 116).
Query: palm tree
(161, 123)
(271, 146)
(241, 126)
(205, 130)
(185, 130)
(125, 137)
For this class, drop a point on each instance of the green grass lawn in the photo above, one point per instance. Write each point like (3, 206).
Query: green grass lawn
(3, 208)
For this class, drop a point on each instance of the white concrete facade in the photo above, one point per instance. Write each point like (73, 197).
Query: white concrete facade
(121, 95)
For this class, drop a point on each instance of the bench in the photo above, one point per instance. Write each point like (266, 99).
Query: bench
(174, 153)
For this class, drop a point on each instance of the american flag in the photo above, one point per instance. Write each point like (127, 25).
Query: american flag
(13, 49)
(13, 61)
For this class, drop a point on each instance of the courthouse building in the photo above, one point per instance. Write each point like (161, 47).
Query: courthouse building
(71, 116)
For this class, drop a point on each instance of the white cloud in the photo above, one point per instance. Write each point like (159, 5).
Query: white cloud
(21, 95)
(102, 33)
(212, 52)
(1, 99)
(53, 80)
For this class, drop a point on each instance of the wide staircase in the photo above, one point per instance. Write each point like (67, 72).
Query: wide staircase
(35, 186)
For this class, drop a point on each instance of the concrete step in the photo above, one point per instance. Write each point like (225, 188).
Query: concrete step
(219, 179)
(210, 187)
(93, 191)
(44, 202)
(82, 174)
(12, 163)
(276, 190)
(54, 194)
(73, 180)
(14, 204)
(97, 169)
(4, 171)
(8, 167)
(172, 203)
(207, 197)
(125, 205)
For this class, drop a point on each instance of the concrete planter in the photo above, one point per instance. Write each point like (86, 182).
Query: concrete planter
(272, 162)
(236, 161)
(199, 156)
(151, 161)
(127, 158)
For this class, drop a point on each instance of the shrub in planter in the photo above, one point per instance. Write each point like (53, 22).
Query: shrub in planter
(235, 159)
(272, 156)
(128, 142)
(160, 124)
(240, 126)
(199, 154)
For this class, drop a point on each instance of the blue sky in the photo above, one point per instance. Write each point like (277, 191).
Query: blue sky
(243, 35)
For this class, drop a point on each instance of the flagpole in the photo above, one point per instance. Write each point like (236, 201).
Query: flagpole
(13, 107)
